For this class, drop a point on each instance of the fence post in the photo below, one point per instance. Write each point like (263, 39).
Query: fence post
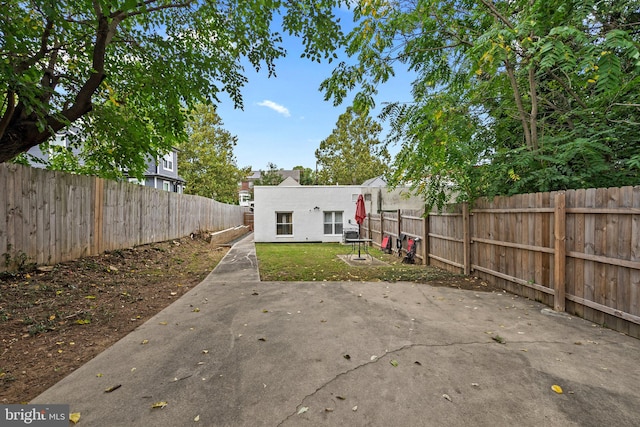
(466, 241)
(98, 215)
(425, 240)
(559, 252)
(400, 231)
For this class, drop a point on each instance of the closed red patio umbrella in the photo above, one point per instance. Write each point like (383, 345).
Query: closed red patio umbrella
(361, 212)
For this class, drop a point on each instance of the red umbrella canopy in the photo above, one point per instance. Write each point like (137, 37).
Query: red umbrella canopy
(361, 212)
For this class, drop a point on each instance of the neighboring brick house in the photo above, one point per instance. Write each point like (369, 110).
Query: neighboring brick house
(245, 192)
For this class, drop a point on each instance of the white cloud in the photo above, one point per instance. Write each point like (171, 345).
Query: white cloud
(275, 107)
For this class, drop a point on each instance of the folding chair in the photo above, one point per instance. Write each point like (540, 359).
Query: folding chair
(385, 246)
(410, 257)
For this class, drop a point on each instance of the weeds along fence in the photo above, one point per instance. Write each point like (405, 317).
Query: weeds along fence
(577, 251)
(48, 217)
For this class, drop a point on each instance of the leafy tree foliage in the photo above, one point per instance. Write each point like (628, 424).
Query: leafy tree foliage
(127, 71)
(510, 96)
(307, 175)
(271, 176)
(206, 161)
(352, 153)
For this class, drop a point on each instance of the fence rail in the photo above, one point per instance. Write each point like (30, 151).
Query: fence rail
(577, 251)
(48, 217)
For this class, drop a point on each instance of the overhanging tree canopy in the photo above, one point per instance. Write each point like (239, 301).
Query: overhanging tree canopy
(510, 96)
(137, 65)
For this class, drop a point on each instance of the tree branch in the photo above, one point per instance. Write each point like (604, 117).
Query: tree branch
(497, 14)
(27, 63)
(568, 89)
(518, 100)
(8, 112)
(154, 9)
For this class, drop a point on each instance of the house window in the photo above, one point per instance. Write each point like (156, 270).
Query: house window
(333, 222)
(284, 223)
(167, 162)
(166, 185)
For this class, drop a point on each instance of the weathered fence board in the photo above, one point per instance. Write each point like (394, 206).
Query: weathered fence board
(48, 217)
(588, 250)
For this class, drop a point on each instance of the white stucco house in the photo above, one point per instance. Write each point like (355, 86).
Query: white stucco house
(291, 212)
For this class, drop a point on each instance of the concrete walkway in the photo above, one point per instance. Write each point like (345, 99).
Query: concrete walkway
(235, 351)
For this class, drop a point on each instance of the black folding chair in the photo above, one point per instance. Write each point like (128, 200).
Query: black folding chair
(410, 257)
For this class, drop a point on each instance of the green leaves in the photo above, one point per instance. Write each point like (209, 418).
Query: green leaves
(134, 69)
(510, 97)
(352, 153)
(206, 160)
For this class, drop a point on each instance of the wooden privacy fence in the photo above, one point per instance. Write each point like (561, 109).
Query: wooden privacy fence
(577, 251)
(48, 217)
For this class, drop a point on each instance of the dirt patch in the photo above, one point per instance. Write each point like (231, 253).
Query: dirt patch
(54, 321)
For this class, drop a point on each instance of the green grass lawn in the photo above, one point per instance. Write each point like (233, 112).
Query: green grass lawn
(320, 262)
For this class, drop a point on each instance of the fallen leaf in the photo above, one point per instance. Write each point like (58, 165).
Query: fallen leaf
(145, 342)
(205, 351)
(346, 356)
(418, 363)
(355, 408)
(328, 409)
(394, 362)
(340, 397)
(110, 389)
(303, 410)
(163, 323)
(74, 417)
(196, 310)
(197, 418)
(446, 396)
(475, 384)
(90, 297)
(262, 339)
(265, 311)
(556, 388)
(99, 375)
(160, 405)
(499, 339)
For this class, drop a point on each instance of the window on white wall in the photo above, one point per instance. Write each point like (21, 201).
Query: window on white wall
(284, 223)
(333, 222)
(167, 162)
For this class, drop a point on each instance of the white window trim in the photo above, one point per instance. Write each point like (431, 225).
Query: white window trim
(284, 223)
(333, 222)
(167, 162)
(166, 184)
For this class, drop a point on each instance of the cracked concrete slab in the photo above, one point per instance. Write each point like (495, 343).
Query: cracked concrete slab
(238, 352)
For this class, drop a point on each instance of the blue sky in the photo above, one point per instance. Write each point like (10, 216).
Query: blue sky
(285, 117)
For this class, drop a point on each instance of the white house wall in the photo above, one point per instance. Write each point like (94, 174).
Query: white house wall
(308, 204)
